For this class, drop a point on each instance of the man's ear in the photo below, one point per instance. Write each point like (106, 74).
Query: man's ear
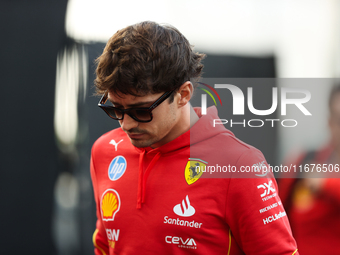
(185, 93)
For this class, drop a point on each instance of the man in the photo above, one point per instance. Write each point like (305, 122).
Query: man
(313, 203)
(151, 195)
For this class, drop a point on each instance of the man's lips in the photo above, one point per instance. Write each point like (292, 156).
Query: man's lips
(135, 136)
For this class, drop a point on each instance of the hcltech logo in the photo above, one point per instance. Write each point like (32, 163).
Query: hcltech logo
(117, 168)
(204, 97)
(239, 103)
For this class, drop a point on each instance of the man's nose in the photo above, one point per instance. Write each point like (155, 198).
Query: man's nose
(128, 123)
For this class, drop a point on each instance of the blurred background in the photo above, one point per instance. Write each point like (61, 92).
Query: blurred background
(47, 67)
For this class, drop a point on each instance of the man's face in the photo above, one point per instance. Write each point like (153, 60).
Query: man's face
(155, 133)
(334, 121)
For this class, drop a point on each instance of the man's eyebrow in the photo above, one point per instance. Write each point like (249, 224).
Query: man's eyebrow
(133, 105)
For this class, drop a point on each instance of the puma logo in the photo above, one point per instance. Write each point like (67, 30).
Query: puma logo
(113, 142)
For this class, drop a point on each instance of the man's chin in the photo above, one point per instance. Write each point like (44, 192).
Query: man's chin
(140, 143)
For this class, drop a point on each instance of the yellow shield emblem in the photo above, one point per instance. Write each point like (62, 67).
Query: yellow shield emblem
(194, 170)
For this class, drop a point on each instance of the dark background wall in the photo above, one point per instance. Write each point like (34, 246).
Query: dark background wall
(32, 32)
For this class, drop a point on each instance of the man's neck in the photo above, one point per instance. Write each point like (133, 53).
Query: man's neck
(187, 120)
(193, 116)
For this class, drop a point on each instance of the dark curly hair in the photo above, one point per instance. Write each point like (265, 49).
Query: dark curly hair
(147, 58)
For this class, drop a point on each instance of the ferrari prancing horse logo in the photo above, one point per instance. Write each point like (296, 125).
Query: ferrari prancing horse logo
(194, 170)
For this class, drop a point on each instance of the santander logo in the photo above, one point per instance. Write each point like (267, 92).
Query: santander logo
(184, 209)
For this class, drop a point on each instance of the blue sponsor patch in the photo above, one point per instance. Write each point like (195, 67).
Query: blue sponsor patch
(117, 168)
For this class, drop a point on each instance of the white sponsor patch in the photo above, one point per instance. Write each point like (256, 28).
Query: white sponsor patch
(188, 243)
(274, 217)
(185, 209)
(269, 207)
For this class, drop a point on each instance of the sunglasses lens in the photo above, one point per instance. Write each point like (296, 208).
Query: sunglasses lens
(113, 113)
(117, 113)
(142, 115)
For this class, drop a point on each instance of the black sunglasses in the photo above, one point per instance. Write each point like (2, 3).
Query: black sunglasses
(143, 114)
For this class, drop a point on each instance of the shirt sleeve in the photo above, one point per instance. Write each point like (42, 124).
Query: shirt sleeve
(255, 214)
(100, 242)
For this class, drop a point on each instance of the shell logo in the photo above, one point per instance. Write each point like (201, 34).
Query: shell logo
(110, 204)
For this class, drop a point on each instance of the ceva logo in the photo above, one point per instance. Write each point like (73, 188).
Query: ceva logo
(204, 97)
(181, 242)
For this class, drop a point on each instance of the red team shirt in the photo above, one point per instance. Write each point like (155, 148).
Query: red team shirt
(160, 201)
